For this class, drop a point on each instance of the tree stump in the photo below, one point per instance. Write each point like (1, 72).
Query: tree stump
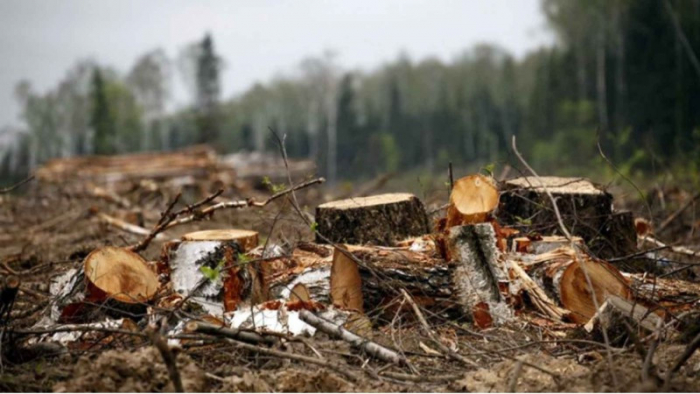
(478, 273)
(206, 267)
(472, 200)
(585, 209)
(377, 220)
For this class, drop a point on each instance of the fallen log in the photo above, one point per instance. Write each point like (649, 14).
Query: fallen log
(428, 279)
(563, 276)
(377, 220)
(206, 268)
(472, 200)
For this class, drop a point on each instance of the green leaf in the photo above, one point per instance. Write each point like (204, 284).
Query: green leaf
(489, 168)
(524, 222)
(242, 258)
(314, 226)
(210, 273)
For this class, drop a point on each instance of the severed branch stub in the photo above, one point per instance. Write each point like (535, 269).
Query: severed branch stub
(369, 347)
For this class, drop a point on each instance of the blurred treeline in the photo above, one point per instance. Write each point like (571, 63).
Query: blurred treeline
(621, 72)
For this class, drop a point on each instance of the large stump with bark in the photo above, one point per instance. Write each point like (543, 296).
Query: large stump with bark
(586, 210)
(377, 220)
(206, 267)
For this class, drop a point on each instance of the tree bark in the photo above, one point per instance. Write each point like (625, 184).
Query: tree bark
(378, 220)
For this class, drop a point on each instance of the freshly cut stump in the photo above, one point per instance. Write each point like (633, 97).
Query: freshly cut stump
(119, 274)
(377, 220)
(205, 267)
(346, 283)
(563, 277)
(246, 239)
(585, 208)
(472, 200)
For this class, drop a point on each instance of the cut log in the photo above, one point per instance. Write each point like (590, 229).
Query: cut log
(205, 267)
(346, 283)
(377, 220)
(563, 277)
(119, 274)
(585, 209)
(478, 272)
(426, 278)
(246, 239)
(665, 295)
(472, 200)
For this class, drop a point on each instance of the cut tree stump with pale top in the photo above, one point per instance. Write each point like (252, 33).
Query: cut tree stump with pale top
(376, 220)
(586, 210)
(119, 274)
(472, 200)
(205, 267)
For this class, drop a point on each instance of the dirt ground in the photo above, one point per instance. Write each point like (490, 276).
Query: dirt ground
(45, 231)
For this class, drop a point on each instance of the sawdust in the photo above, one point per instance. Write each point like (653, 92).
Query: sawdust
(131, 371)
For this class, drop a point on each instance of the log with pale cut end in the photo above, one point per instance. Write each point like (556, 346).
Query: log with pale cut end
(346, 283)
(246, 239)
(119, 274)
(206, 268)
(563, 277)
(377, 220)
(472, 200)
(478, 273)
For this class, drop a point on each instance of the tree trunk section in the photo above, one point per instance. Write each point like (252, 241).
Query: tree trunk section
(478, 273)
(204, 266)
(563, 278)
(377, 220)
(585, 209)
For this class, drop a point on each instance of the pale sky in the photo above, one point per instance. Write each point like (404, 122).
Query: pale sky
(41, 40)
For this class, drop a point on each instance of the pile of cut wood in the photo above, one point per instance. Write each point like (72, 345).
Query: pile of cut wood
(500, 254)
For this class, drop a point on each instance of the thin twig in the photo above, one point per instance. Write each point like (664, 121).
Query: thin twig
(16, 185)
(168, 359)
(444, 349)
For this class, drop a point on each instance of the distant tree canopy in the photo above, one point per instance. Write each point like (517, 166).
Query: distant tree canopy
(622, 73)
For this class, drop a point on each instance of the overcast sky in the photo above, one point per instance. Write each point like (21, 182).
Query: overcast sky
(40, 40)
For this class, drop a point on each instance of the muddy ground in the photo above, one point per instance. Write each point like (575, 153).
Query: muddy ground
(46, 230)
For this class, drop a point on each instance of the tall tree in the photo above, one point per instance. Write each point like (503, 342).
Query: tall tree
(208, 91)
(101, 116)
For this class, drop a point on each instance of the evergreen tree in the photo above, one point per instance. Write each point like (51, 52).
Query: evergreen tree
(101, 116)
(208, 90)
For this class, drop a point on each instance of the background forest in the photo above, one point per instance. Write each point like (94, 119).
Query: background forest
(622, 72)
